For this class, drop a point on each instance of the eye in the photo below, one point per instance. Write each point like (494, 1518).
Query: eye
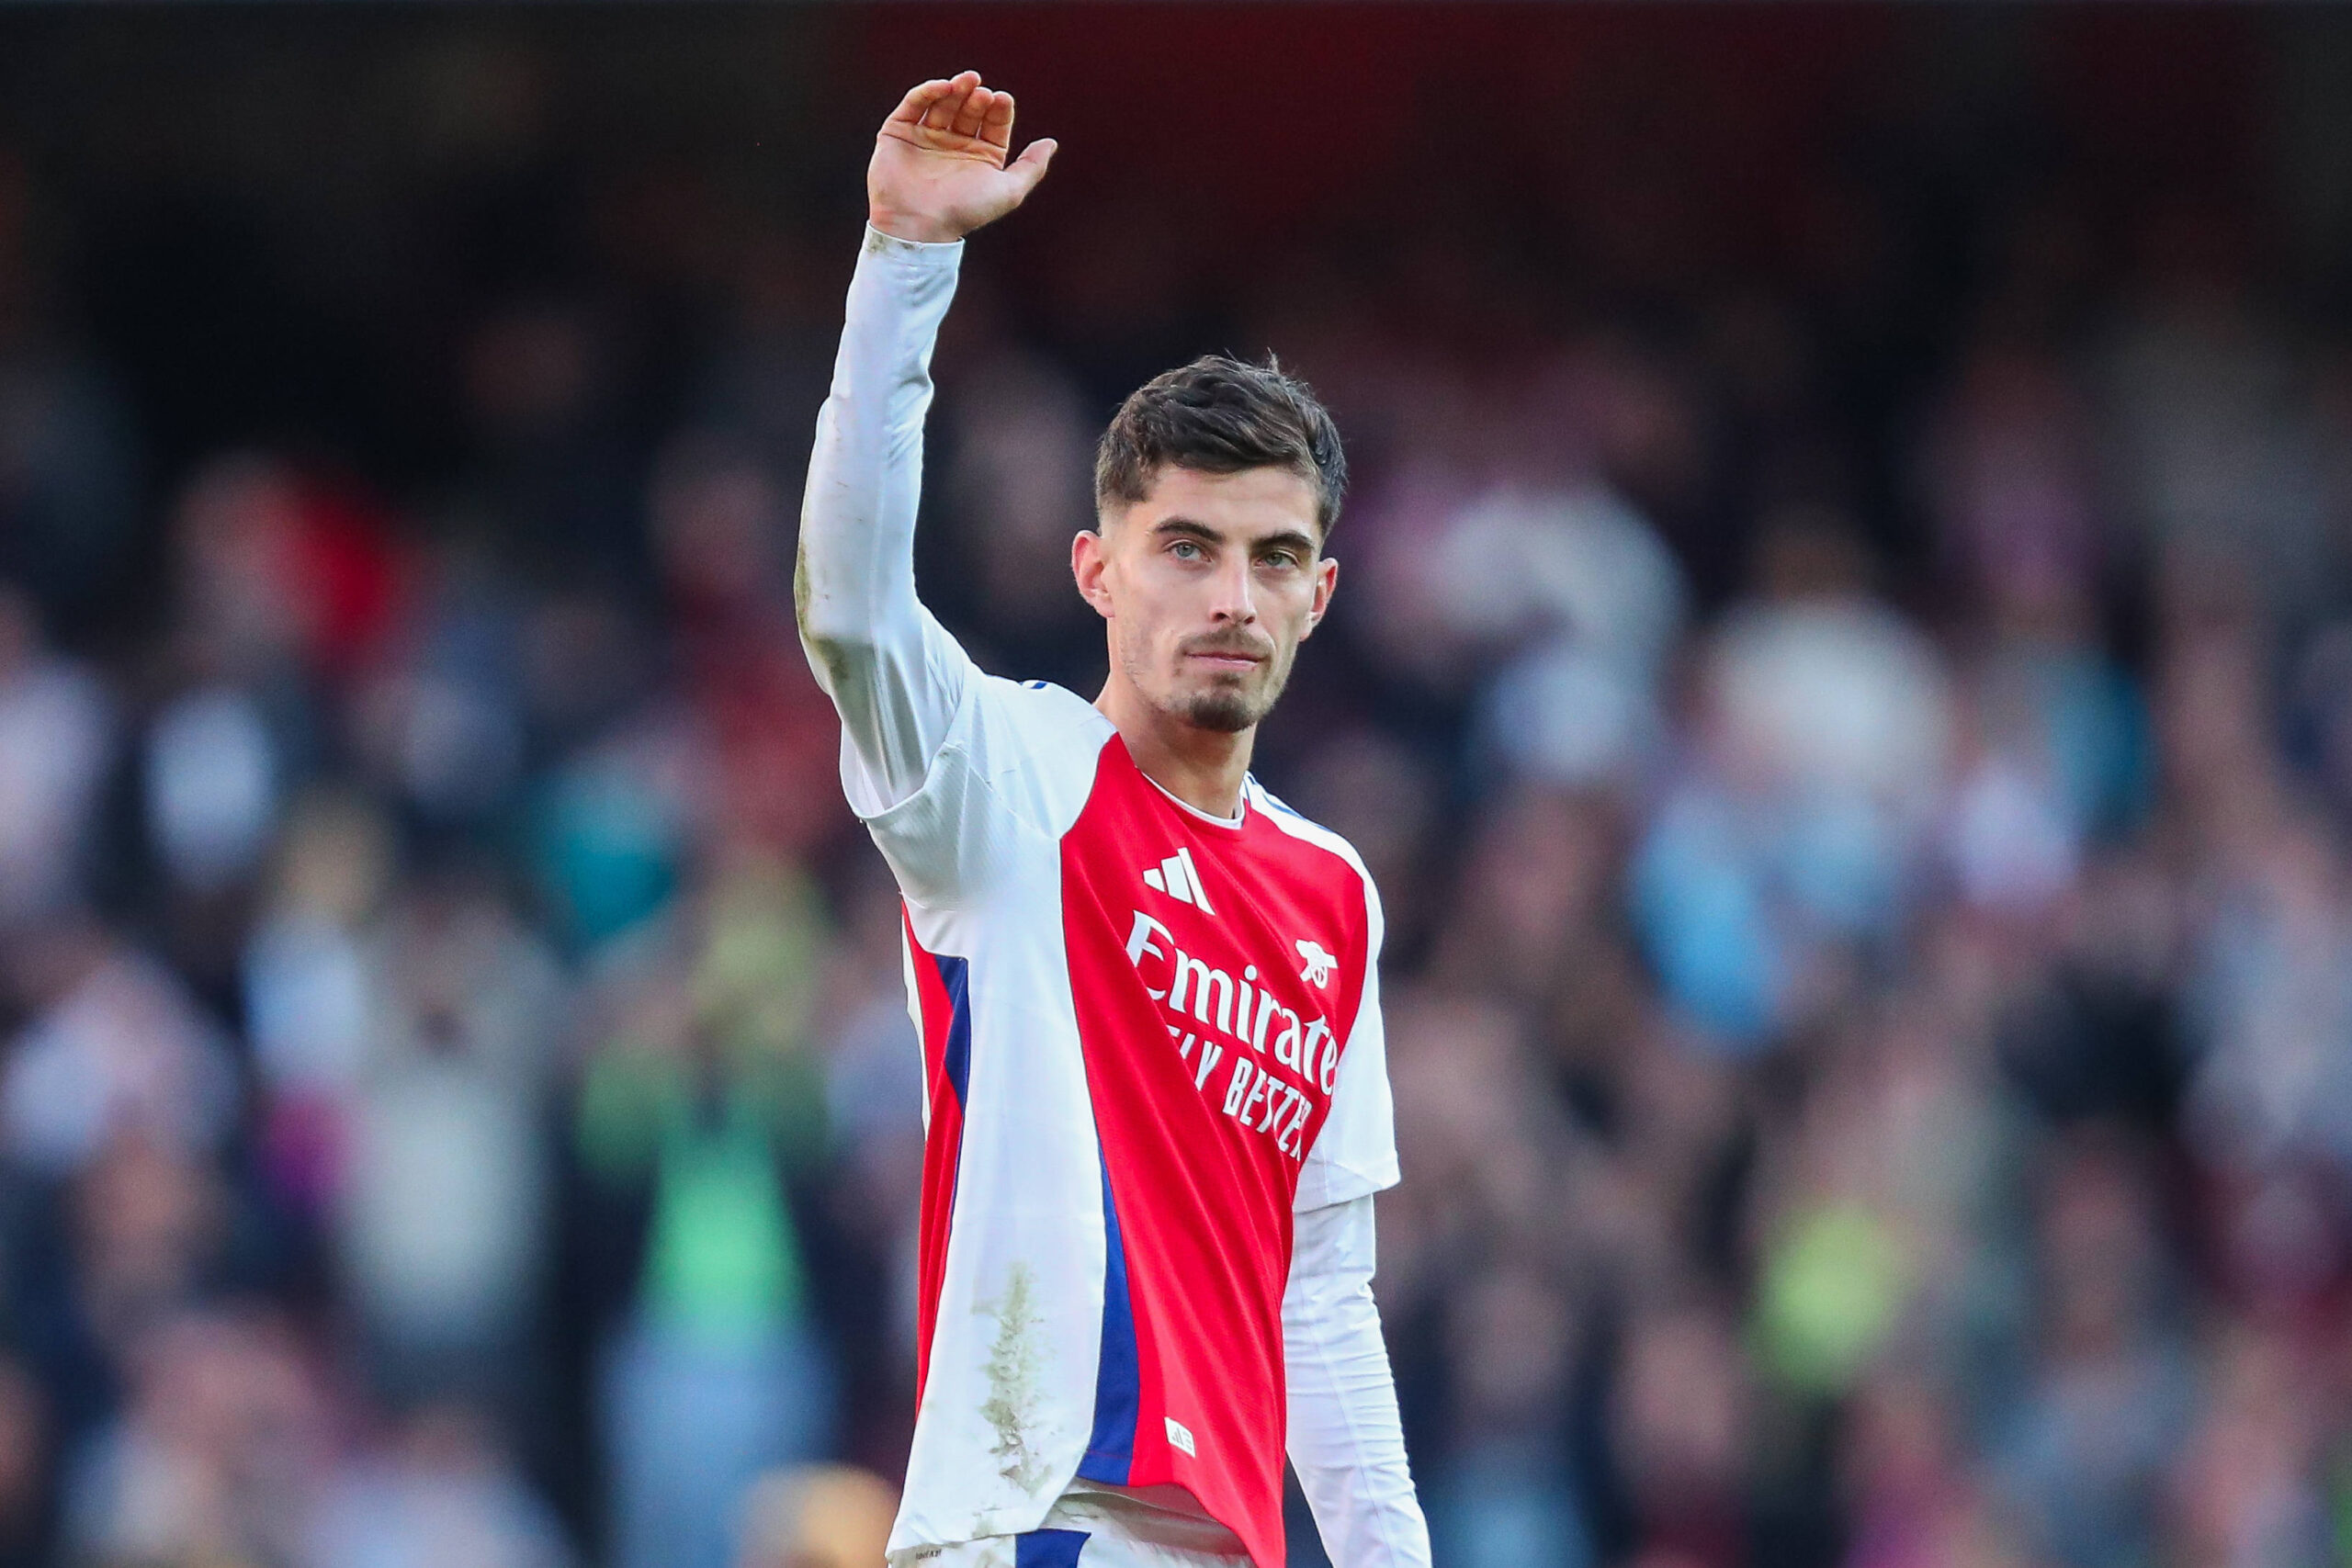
(1283, 558)
(1185, 549)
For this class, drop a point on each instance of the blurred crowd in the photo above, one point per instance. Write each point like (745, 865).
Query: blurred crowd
(1857, 751)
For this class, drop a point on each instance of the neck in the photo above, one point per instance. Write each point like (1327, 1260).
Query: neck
(1203, 768)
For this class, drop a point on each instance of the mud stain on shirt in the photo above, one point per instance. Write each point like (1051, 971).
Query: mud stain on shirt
(1012, 1374)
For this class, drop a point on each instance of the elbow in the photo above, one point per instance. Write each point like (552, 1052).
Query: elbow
(826, 622)
(836, 651)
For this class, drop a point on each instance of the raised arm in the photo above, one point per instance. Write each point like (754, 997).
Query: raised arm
(939, 172)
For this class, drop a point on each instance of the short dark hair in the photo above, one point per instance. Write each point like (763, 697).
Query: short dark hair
(1221, 415)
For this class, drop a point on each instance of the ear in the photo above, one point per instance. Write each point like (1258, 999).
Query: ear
(1090, 562)
(1326, 580)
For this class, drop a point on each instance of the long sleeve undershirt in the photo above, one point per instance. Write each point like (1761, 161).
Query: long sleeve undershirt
(1345, 1442)
(897, 677)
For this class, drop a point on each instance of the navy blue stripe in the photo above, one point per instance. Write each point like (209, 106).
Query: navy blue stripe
(955, 973)
(1118, 1384)
(1048, 1548)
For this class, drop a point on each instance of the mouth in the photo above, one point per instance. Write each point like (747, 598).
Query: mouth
(1222, 660)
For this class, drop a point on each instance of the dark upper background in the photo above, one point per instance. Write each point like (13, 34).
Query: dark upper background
(1842, 671)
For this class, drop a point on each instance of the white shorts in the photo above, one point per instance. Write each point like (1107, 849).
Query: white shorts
(1081, 1533)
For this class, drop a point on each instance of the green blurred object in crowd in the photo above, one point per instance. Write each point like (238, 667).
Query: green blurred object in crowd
(1833, 1287)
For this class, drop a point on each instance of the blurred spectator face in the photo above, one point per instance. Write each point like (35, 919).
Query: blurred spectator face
(216, 1458)
(2007, 835)
(1819, 689)
(580, 662)
(1899, 1448)
(2214, 733)
(146, 1222)
(1512, 1335)
(1904, 1477)
(445, 1496)
(2100, 1243)
(273, 565)
(1538, 875)
(1680, 1424)
(240, 587)
(55, 732)
(1461, 1099)
(1209, 584)
(2282, 1235)
(2081, 1457)
(119, 1047)
(1565, 598)
(2272, 1083)
(2245, 1491)
(438, 720)
(1578, 562)
(336, 861)
(311, 997)
(212, 787)
(2010, 470)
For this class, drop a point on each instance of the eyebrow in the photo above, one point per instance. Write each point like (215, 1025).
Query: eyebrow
(1186, 527)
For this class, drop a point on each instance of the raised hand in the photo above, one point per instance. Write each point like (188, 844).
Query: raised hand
(939, 169)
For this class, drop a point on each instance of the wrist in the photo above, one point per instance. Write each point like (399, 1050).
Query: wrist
(911, 227)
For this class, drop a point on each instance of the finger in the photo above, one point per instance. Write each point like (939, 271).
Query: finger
(1030, 167)
(973, 112)
(911, 107)
(941, 115)
(996, 129)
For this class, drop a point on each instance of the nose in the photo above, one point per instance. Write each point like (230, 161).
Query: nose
(1233, 602)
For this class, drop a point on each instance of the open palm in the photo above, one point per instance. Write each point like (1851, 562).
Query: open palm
(939, 169)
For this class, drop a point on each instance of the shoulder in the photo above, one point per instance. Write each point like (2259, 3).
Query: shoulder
(1043, 715)
(1035, 741)
(1313, 836)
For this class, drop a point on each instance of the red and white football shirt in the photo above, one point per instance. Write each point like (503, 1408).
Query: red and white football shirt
(1150, 1035)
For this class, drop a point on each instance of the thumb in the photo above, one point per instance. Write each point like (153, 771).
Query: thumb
(1030, 167)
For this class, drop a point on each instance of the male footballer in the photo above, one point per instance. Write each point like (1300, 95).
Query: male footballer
(1157, 1098)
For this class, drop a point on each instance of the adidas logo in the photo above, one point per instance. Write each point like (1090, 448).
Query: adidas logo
(1178, 879)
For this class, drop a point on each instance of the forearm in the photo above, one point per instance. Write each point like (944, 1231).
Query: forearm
(893, 674)
(1345, 1439)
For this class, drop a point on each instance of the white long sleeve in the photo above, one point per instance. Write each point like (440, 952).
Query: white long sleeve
(1345, 1439)
(893, 671)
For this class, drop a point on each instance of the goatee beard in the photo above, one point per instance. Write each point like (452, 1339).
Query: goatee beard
(1228, 713)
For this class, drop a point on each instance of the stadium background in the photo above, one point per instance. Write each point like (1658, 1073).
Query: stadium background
(1843, 673)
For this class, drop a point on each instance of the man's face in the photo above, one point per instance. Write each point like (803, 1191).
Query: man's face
(1209, 584)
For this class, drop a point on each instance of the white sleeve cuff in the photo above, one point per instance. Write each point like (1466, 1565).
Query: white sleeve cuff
(919, 253)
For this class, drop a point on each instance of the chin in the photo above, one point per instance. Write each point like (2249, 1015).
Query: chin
(1228, 713)
(1226, 705)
